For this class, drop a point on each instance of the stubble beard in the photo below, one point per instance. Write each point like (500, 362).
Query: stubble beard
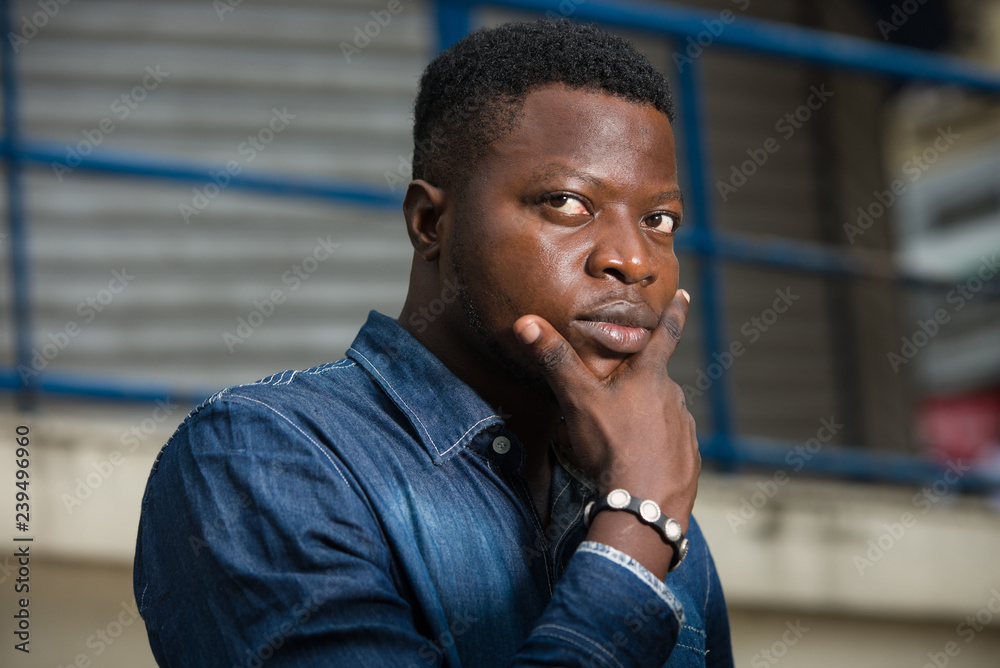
(472, 309)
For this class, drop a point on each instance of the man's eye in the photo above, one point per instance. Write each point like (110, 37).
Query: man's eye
(663, 222)
(567, 204)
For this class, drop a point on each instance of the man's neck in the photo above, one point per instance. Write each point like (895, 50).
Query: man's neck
(532, 418)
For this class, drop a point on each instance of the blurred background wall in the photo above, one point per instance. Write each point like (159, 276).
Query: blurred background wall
(189, 284)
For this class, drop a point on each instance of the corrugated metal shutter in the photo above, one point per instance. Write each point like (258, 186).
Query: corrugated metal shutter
(220, 83)
(195, 281)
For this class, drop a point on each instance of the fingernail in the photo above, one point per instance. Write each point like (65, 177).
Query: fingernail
(530, 333)
(686, 295)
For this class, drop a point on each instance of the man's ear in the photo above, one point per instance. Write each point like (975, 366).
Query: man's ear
(423, 208)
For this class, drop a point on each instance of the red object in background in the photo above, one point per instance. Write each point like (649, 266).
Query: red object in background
(964, 427)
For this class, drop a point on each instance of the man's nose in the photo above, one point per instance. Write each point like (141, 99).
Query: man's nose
(620, 250)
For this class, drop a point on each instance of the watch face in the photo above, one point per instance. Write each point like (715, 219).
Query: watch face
(619, 499)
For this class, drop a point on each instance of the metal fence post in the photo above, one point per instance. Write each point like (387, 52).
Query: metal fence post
(710, 293)
(17, 239)
(453, 22)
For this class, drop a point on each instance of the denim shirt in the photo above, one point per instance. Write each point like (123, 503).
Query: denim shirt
(371, 512)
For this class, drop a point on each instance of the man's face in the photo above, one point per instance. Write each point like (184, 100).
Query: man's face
(570, 217)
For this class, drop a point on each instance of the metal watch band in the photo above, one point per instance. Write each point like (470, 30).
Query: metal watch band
(649, 513)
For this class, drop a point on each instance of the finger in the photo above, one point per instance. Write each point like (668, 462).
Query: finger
(554, 357)
(667, 334)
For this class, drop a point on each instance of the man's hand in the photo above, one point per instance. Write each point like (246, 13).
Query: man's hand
(631, 430)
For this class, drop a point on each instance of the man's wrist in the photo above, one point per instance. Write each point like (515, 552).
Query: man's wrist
(626, 533)
(647, 512)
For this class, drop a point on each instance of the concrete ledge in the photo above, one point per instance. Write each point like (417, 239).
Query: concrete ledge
(809, 545)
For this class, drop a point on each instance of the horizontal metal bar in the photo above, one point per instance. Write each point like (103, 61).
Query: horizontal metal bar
(811, 258)
(86, 386)
(186, 171)
(781, 253)
(830, 460)
(839, 461)
(774, 39)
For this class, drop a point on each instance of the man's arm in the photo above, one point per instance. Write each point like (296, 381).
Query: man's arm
(257, 546)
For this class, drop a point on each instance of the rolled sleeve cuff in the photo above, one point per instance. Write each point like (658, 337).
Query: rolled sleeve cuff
(607, 610)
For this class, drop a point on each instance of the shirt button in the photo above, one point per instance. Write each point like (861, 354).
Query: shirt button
(501, 444)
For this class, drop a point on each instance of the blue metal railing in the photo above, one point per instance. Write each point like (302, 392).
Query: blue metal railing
(453, 20)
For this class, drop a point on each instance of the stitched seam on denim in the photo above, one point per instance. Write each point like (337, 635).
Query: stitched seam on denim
(571, 641)
(305, 435)
(571, 523)
(640, 571)
(587, 641)
(416, 417)
(561, 492)
(698, 631)
(536, 524)
(574, 472)
(450, 447)
(700, 651)
(332, 366)
(281, 379)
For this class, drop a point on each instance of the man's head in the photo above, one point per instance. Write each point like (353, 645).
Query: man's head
(471, 94)
(556, 196)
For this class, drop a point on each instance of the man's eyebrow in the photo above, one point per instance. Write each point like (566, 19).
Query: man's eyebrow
(675, 195)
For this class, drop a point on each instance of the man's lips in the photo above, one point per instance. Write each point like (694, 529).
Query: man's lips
(621, 327)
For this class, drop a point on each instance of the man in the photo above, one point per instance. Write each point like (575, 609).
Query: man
(422, 502)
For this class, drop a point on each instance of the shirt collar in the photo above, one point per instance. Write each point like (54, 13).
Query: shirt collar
(445, 412)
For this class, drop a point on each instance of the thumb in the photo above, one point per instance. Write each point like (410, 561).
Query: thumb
(553, 356)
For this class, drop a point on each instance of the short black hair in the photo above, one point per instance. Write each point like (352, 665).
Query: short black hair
(471, 94)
